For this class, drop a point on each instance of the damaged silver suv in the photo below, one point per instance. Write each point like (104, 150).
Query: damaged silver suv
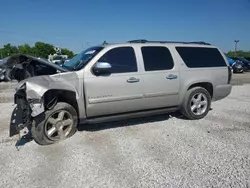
(119, 81)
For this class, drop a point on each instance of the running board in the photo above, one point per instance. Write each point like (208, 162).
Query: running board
(119, 117)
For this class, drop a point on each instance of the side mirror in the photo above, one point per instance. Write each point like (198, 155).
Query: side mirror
(102, 68)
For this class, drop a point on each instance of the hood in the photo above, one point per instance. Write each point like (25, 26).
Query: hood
(20, 66)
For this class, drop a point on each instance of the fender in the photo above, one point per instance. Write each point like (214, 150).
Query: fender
(29, 96)
(35, 88)
(195, 82)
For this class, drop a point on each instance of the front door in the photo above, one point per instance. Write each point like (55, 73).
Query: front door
(121, 90)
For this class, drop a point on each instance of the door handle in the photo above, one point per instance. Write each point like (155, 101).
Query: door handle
(133, 80)
(171, 76)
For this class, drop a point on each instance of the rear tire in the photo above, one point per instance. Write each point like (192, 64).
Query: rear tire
(193, 107)
(55, 125)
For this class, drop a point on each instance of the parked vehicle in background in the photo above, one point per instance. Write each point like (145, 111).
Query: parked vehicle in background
(62, 62)
(243, 63)
(246, 62)
(237, 67)
(57, 58)
(119, 81)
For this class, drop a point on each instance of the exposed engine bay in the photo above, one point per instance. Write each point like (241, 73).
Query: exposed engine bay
(19, 67)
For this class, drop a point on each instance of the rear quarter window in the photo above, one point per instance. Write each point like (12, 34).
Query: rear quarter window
(199, 57)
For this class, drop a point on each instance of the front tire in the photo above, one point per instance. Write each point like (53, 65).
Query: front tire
(196, 104)
(55, 125)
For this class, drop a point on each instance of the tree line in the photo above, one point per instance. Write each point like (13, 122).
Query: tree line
(40, 49)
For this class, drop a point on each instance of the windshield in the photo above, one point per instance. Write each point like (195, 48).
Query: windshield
(80, 60)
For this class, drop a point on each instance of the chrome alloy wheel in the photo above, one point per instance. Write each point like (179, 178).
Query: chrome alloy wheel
(59, 125)
(198, 104)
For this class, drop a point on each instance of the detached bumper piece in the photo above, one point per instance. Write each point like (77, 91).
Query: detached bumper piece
(21, 117)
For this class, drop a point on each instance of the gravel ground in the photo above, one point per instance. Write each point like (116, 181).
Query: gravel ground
(160, 151)
(241, 78)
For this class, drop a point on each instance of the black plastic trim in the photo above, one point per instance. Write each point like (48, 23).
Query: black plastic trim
(183, 42)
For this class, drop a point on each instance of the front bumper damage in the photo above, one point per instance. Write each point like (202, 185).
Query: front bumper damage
(27, 107)
(31, 101)
(21, 114)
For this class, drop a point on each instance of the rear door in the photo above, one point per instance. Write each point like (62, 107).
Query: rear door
(119, 92)
(161, 77)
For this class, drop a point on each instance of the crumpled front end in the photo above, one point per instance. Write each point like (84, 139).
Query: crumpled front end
(31, 101)
(27, 107)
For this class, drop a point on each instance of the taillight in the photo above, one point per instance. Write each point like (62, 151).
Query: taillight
(229, 74)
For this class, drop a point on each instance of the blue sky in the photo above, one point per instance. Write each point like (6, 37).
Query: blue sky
(77, 24)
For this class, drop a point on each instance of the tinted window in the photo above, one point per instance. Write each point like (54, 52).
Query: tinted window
(122, 59)
(157, 58)
(195, 57)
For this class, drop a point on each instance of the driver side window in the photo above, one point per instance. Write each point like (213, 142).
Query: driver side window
(122, 59)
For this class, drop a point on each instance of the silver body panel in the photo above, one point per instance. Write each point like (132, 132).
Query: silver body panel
(114, 94)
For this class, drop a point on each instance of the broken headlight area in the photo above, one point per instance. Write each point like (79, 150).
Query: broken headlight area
(36, 106)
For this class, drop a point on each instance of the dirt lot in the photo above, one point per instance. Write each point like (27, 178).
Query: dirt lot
(239, 79)
(161, 151)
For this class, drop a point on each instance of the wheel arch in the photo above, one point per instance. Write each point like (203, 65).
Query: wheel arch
(192, 89)
(207, 85)
(53, 96)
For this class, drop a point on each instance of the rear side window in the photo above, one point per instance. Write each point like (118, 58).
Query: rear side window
(198, 57)
(122, 59)
(157, 58)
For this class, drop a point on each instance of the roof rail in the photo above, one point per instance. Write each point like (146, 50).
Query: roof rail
(138, 41)
(146, 41)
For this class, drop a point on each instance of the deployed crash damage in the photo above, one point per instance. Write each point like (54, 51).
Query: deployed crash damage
(49, 98)
(29, 96)
(36, 95)
(20, 66)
